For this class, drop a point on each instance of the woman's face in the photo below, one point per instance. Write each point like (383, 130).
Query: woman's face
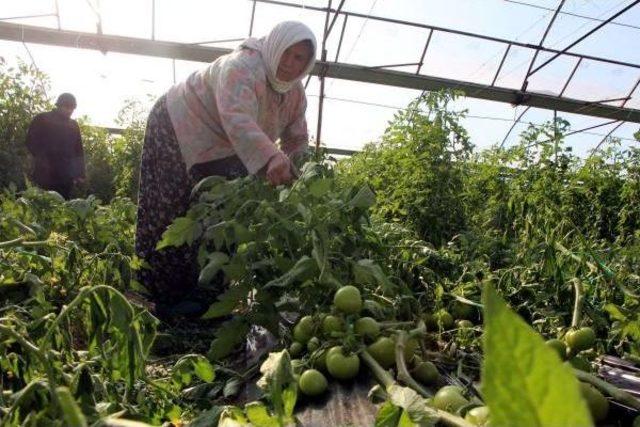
(293, 61)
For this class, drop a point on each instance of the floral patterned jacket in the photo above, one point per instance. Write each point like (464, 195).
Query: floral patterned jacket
(229, 108)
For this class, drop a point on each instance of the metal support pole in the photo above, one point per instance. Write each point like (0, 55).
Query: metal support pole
(424, 52)
(595, 150)
(344, 25)
(514, 125)
(322, 77)
(564, 51)
(335, 16)
(573, 72)
(504, 57)
(253, 15)
(555, 137)
(535, 55)
(57, 6)
(153, 19)
(633, 89)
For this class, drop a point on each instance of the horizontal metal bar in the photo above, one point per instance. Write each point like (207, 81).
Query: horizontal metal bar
(73, 39)
(330, 150)
(406, 64)
(577, 15)
(452, 31)
(41, 15)
(219, 41)
(511, 96)
(584, 36)
(624, 98)
(136, 46)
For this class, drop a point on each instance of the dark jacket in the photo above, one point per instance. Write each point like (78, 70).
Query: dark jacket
(56, 146)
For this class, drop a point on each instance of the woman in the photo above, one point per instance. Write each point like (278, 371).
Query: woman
(223, 120)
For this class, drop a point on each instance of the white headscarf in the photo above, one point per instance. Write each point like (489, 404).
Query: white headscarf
(271, 48)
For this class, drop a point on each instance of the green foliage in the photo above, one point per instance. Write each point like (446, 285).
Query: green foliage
(113, 162)
(22, 96)
(418, 163)
(301, 242)
(524, 381)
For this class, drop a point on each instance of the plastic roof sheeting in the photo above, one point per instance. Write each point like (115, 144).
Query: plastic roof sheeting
(356, 113)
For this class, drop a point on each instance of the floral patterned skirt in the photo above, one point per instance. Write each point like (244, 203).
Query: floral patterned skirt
(165, 186)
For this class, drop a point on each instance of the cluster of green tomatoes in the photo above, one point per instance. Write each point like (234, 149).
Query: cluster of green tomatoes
(574, 342)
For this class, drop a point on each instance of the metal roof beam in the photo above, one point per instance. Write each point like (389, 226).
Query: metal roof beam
(566, 49)
(73, 39)
(451, 31)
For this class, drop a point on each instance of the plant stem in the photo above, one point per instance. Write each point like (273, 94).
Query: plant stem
(613, 391)
(577, 307)
(40, 354)
(385, 378)
(403, 373)
(11, 243)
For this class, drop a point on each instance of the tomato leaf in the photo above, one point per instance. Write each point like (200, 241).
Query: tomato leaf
(216, 261)
(524, 381)
(229, 300)
(388, 415)
(230, 334)
(303, 267)
(259, 416)
(182, 230)
(364, 198)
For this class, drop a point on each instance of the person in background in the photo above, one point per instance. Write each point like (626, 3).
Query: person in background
(55, 144)
(223, 120)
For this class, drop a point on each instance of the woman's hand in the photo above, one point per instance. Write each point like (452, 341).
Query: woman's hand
(279, 169)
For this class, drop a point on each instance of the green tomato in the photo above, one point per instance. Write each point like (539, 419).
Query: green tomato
(367, 327)
(313, 344)
(312, 382)
(478, 416)
(449, 398)
(348, 300)
(464, 324)
(559, 347)
(332, 324)
(295, 349)
(580, 363)
(303, 331)
(426, 373)
(383, 351)
(410, 349)
(460, 310)
(343, 367)
(444, 320)
(597, 403)
(582, 339)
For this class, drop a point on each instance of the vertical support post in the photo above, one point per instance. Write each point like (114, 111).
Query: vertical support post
(57, 6)
(514, 125)
(153, 19)
(555, 137)
(321, 76)
(573, 72)
(253, 15)
(344, 25)
(424, 51)
(173, 63)
(535, 55)
(504, 57)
